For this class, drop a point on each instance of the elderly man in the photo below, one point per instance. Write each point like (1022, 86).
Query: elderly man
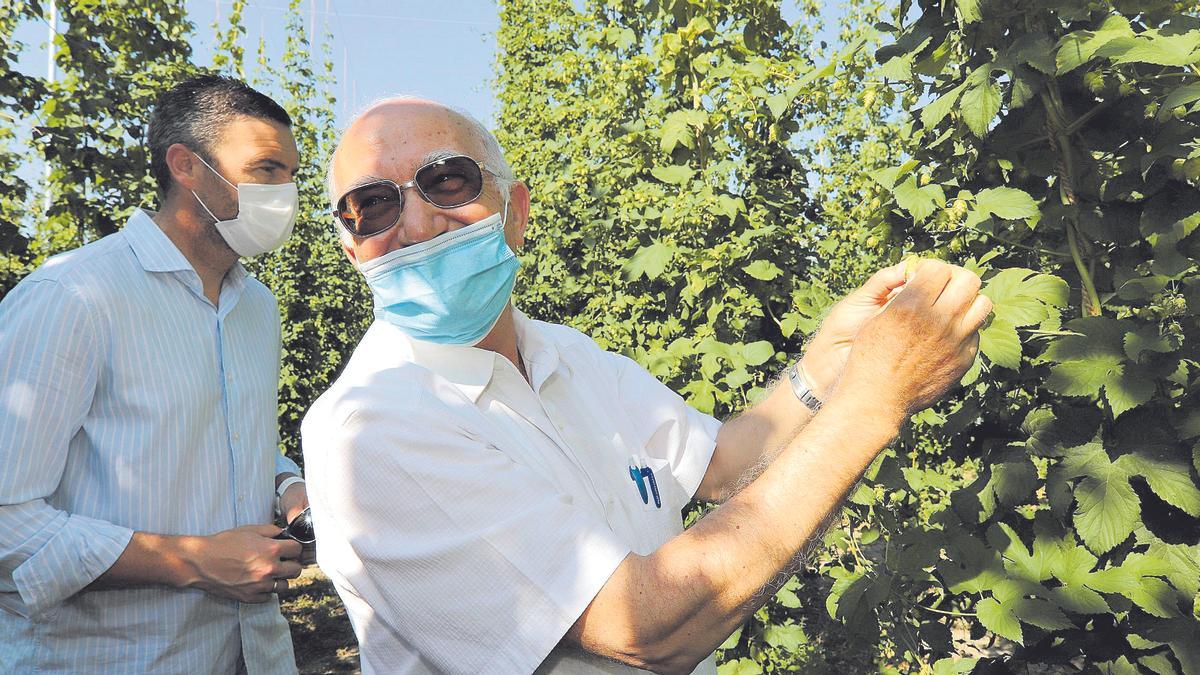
(496, 494)
(138, 437)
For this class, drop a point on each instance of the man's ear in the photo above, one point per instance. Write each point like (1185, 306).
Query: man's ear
(184, 167)
(518, 214)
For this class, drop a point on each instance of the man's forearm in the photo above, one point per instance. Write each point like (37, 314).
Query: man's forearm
(706, 581)
(149, 560)
(749, 442)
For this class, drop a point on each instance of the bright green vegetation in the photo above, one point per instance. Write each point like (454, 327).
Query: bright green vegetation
(708, 177)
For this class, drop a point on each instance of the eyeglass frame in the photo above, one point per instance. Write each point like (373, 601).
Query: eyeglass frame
(412, 183)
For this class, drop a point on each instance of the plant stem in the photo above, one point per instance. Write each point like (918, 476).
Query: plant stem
(1091, 305)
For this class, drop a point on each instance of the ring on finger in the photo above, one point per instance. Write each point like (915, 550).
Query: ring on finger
(281, 585)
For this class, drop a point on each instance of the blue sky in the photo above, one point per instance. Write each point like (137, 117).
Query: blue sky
(443, 49)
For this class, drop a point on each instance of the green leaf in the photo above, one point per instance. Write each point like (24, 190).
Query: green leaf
(1035, 50)
(898, 68)
(936, 110)
(1168, 474)
(1156, 597)
(1188, 93)
(1076, 49)
(920, 202)
(979, 106)
(649, 260)
(968, 11)
(763, 270)
(778, 104)
(1121, 666)
(1146, 339)
(999, 619)
(1000, 343)
(1095, 360)
(1041, 613)
(1080, 599)
(1160, 50)
(1083, 377)
(788, 636)
(675, 175)
(1106, 512)
(758, 353)
(786, 597)
(1132, 386)
(1021, 297)
(1159, 664)
(954, 665)
(1180, 635)
(1007, 203)
(740, 667)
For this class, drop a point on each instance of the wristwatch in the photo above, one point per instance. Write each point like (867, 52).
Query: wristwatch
(287, 483)
(802, 390)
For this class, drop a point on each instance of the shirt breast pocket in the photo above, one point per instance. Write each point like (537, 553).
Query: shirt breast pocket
(651, 484)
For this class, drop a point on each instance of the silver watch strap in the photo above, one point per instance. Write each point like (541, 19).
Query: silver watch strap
(802, 390)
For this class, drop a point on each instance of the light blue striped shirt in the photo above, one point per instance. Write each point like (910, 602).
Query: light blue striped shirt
(128, 402)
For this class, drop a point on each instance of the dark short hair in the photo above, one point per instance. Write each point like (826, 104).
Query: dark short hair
(195, 111)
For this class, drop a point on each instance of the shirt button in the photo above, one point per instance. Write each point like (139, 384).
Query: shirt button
(237, 436)
(241, 498)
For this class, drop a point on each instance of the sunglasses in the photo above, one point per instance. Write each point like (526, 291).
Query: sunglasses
(374, 208)
(300, 529)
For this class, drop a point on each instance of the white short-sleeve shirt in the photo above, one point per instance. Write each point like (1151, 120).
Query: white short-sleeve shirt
(467, 517)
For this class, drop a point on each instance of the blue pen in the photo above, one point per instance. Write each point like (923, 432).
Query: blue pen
(635, 473)
(649, 474)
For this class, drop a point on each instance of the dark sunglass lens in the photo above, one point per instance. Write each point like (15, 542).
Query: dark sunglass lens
(453, 181)
(370, 209)
(301, 528)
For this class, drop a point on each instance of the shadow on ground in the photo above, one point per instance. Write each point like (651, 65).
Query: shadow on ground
(321, 632)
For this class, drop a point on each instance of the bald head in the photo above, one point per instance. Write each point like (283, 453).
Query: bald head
(397, 127)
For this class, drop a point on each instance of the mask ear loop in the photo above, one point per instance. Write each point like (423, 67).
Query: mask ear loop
(201, 201)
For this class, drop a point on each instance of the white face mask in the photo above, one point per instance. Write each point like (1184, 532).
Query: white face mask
(266, 215)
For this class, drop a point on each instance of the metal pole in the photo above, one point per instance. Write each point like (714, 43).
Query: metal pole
(51, 75)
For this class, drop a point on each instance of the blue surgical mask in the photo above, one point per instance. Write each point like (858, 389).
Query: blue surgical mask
(450, 289)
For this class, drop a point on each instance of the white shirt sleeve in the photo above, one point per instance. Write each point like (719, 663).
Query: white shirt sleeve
(441, 543)
(668, 428)
(50, 347)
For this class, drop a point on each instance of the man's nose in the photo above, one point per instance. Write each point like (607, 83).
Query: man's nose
(419, 220)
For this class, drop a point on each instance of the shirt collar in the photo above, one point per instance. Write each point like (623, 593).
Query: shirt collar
(470, 368)
(153, 248)
(157, 253)
(537, 350)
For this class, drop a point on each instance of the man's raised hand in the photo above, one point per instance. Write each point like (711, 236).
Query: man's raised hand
(916, 349)
(826, 354)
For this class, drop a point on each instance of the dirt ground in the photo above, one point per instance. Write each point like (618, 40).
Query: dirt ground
(321, 631)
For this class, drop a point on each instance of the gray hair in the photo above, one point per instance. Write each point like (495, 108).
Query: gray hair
(493, 155)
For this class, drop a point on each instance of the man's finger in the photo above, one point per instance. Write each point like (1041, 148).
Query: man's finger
(881, 284)
(928, 281)
(281, 585)
(976, 314)
(289, 549)
(960, 292)
(268, 531)
(287, 569)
